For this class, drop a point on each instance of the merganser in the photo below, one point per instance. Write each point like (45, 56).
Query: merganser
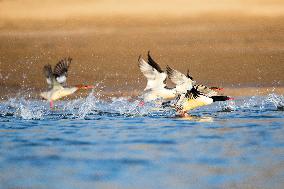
(56, 81)
(156, 81)
(197, 96)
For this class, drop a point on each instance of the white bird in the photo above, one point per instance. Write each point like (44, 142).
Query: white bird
(191, 98)
(156, 87)
(56, 81)
(183, 82)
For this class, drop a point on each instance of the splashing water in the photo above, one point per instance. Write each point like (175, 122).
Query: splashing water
(84, 108)
(87, 106)
(276, 100)
(22, 108)
(95, 143)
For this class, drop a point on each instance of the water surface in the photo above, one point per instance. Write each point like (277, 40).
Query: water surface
(91, 143)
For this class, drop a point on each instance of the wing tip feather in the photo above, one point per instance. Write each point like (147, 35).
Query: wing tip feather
(170, 71)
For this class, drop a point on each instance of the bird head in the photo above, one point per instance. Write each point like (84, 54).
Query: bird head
(216, 88)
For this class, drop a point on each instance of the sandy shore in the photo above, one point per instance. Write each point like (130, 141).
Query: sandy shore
(242, 52)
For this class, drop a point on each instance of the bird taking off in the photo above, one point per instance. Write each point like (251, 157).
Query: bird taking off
(56, 80)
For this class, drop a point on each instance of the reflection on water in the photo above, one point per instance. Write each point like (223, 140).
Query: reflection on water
(90, 143)
(198, 118)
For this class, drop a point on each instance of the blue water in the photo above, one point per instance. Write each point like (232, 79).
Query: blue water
(91, 143)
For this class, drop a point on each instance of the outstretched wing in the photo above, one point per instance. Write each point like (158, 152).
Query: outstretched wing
(154, 64)
(47, 71)
(156, 78)
(61, 70)
(183, 83)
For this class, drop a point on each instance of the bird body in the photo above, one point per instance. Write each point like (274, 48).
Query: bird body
(191, 104)
(156, 87)
(192, 96)
(56, 79)
(57, 93)
(198, 96)
(161, 93)
(156, 80)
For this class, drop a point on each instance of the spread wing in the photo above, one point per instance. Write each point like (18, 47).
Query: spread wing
(154, 64)
(61, 70)
(183, 83)
(47, 71)
(156, 78)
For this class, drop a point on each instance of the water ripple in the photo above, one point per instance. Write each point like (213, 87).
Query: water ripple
(92, 143)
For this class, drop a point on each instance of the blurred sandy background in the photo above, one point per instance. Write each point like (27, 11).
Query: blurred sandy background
(228, 43)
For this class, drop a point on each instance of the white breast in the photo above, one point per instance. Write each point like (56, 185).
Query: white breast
(57, 93)
(163, 93)
(190, 104)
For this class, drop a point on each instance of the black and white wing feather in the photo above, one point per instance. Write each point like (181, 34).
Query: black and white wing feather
(182, 98)
(183, 83)
(47, 71)
(61, 70)
(154, 64)
(156, 77)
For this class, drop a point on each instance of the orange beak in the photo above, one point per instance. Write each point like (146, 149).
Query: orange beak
(89, 87)
(216, 88)
(85, 87)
